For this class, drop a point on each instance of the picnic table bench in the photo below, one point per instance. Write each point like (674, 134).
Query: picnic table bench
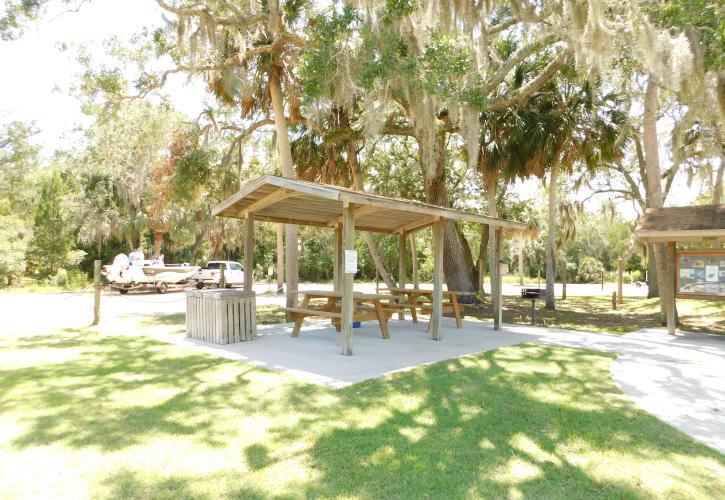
(367, 307)
(412, 300)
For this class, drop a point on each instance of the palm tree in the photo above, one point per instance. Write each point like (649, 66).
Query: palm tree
(567, 235)
(259, 80)
(580, 124)
(512, 146)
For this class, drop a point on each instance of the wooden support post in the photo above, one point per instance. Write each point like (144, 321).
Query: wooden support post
(563, 281)
(96, 292)
(497, 287)
(614, 301)
(280, 258)
(620, 272)
(669, 291)
(249, 253)
(414, 261)
(402, 268)
(436, 313)
(223, 276)
(339, 255)
(336, 261)
(348, 243)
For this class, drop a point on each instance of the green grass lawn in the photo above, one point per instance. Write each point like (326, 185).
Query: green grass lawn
(596, 314)
(107, 414)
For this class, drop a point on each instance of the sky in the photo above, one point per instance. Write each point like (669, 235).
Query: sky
(39, 77)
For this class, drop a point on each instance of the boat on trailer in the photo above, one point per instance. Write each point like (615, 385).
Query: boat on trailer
(150, 274)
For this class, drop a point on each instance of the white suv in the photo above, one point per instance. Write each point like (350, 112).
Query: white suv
(211, 273)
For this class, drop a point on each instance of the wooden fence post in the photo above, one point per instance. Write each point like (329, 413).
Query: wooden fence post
(222, 276)
(96, 292)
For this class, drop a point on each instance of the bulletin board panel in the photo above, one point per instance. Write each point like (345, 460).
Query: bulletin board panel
(700, 274)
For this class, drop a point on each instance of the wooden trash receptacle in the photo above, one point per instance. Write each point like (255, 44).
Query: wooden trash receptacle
(221, 316)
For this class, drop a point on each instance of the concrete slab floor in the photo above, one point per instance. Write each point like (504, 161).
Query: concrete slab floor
(679, 379)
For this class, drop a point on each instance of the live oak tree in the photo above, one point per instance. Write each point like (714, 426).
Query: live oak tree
(116, 172)
(581, 130)
(427, 84)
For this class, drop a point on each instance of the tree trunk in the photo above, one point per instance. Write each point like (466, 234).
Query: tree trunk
(563, 281)
(654, 188)
(196, 246)
(483, 256)
(521, 264)
(653, 288)
(491, 182)
(158, 239)
(285, 157)
(551, 240)
(354, 166)
(717, 187)
(458, 265)
(240, 163)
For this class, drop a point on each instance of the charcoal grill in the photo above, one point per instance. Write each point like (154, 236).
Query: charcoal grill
(533, 294)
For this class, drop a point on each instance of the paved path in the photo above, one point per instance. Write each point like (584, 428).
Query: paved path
(680, 379)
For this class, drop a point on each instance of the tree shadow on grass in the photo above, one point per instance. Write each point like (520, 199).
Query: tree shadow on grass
(577, 313)
(529, 420)
(479, 427)
(127, 484)
(118, 390)
(169, 319)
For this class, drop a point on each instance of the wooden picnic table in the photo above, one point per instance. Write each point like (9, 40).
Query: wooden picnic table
(413, 296)
(376, 310)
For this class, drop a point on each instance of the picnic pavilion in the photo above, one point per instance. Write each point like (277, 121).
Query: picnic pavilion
(292, 201)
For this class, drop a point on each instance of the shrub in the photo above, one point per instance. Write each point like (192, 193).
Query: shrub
(590, 270)
(77, 279)
(69, 280)
(59, 279)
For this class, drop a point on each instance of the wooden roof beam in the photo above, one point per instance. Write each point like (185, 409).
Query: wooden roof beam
(359, 212)
(417, 224)
(272, 198)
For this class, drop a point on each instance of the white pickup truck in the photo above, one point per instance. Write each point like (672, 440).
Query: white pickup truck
(211, 273)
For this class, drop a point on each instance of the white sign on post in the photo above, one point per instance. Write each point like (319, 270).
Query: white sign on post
(350, 261)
